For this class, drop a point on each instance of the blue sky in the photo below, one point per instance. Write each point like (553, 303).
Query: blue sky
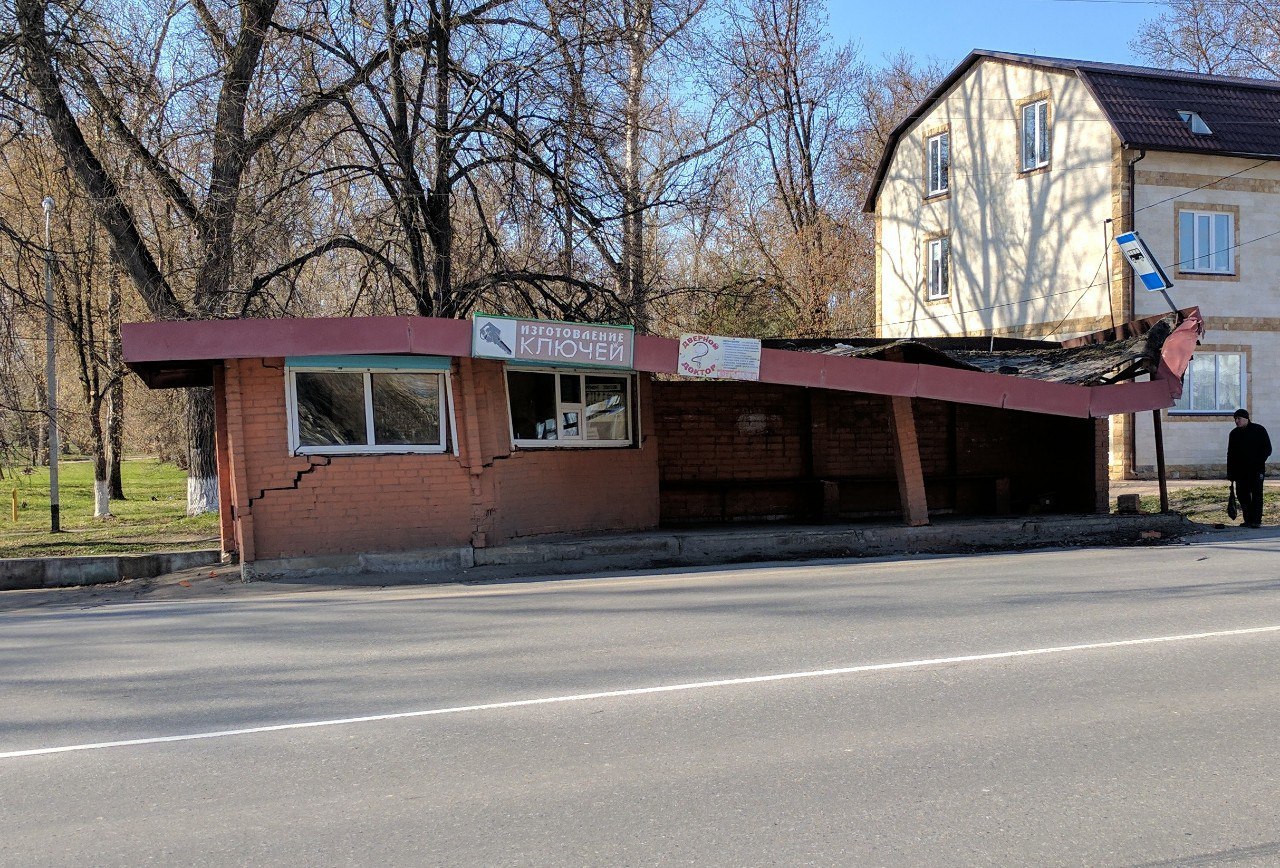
(1079, 29)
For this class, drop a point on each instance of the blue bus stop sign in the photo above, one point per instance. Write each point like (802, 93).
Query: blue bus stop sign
(1143, 263)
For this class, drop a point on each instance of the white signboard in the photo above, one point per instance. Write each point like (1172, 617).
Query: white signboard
(548, 342)
(719, 358)
(1143, 263)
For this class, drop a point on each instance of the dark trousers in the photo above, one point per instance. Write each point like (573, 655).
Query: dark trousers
(1249, 491)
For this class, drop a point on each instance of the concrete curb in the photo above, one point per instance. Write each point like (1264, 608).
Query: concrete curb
(24, 574)
(705, 547)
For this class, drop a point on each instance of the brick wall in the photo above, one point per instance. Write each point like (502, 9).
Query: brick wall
(292, 506)
(731, 451)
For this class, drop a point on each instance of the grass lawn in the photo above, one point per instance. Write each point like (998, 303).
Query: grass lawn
(154, 518)
(1207, 504)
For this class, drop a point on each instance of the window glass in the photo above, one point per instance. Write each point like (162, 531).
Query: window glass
(1222, 242)
(606, 409)
(406, 409)
(533, 405)
(1186, 240)
(939, 163)
(1028, 137)
(1206, 241)
(1042, 132)
(1230, 393)
(939, 268)
(1213, 383)
(330, 408)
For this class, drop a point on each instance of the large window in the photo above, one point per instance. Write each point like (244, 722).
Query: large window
(1213, 383)
(1035, 135)
(938, 150)
(387, 405)
(1206, 241)
(560, 408)
(938, 262)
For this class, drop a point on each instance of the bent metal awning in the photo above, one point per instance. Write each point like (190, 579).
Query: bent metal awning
(1087, 377)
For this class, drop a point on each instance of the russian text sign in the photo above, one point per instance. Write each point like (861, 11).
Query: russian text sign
(719, 358)
(548, 342)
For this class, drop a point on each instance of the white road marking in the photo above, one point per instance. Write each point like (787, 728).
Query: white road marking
(640, 691)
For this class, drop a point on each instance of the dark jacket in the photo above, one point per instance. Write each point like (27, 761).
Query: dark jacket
(1248, 448)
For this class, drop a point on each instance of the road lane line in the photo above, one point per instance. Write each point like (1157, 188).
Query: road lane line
(640, 691)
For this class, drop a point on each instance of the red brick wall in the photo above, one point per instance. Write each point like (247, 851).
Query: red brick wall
(747, 450)
(292, 506)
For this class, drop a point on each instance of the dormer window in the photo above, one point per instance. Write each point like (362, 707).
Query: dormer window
(1194, 122)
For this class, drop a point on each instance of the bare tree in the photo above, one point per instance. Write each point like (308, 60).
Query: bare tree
(1225, 37)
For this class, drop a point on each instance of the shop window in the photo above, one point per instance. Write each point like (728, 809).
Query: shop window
(563, 408)
(1213, 383)
(347, 408)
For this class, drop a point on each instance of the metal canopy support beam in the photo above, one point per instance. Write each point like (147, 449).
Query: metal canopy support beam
(906, 458)
(1160, 474)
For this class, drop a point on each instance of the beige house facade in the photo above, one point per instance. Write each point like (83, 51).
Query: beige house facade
(998, 199)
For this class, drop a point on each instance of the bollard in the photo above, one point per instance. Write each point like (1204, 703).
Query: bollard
(15, 504)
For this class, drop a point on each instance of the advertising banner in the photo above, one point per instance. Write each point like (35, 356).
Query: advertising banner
(719, 358)
(556, 343)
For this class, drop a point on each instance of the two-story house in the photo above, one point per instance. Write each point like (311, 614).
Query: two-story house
(998, 199)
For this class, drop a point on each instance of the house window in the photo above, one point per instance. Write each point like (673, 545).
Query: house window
(1213, 383)
(1035, 135)
(1206, 242)
(938, 257)
(569, 408)
(367, 405)
(938, 149)
(1195, 123)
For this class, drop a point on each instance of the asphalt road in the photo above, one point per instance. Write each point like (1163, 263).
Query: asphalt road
(865, 713)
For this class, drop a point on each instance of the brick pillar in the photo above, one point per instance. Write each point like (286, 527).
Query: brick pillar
(1101, 464)
(906, 461)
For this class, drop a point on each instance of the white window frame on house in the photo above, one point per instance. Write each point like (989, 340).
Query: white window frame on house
(1185, 405)
(579, 408)
(366, 367)
(937, 280)
(1208, 252)
(1035, 149)
(938, 150)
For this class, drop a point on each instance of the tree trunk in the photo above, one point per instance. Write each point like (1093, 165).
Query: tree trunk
(633, 269)
(101, 467)
(202, 470)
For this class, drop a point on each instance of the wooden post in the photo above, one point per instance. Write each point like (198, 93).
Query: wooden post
(1164, 485)
(906, 460)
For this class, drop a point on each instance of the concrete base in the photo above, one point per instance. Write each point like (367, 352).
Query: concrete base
(20, 574)
(718, 546)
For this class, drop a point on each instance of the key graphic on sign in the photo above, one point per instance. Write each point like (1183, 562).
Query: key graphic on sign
(489, 334)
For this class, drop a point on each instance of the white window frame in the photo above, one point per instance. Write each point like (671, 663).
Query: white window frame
(371, 447)
(938, 268)
(579, 442)
(937, 166)
(1214, 245)
(1038, 115)
(1238, 401)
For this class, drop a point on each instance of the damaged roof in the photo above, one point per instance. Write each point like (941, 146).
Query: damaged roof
(1083, 364)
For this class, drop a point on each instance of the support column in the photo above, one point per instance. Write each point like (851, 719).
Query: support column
(226, 501)
(906, 461)
(1164, 485)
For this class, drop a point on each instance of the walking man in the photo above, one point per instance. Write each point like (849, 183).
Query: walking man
(1248, 448)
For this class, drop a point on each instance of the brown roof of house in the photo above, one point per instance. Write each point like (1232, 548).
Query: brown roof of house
(1142, 104)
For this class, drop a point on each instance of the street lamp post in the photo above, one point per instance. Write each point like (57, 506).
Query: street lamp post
(50, 370)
